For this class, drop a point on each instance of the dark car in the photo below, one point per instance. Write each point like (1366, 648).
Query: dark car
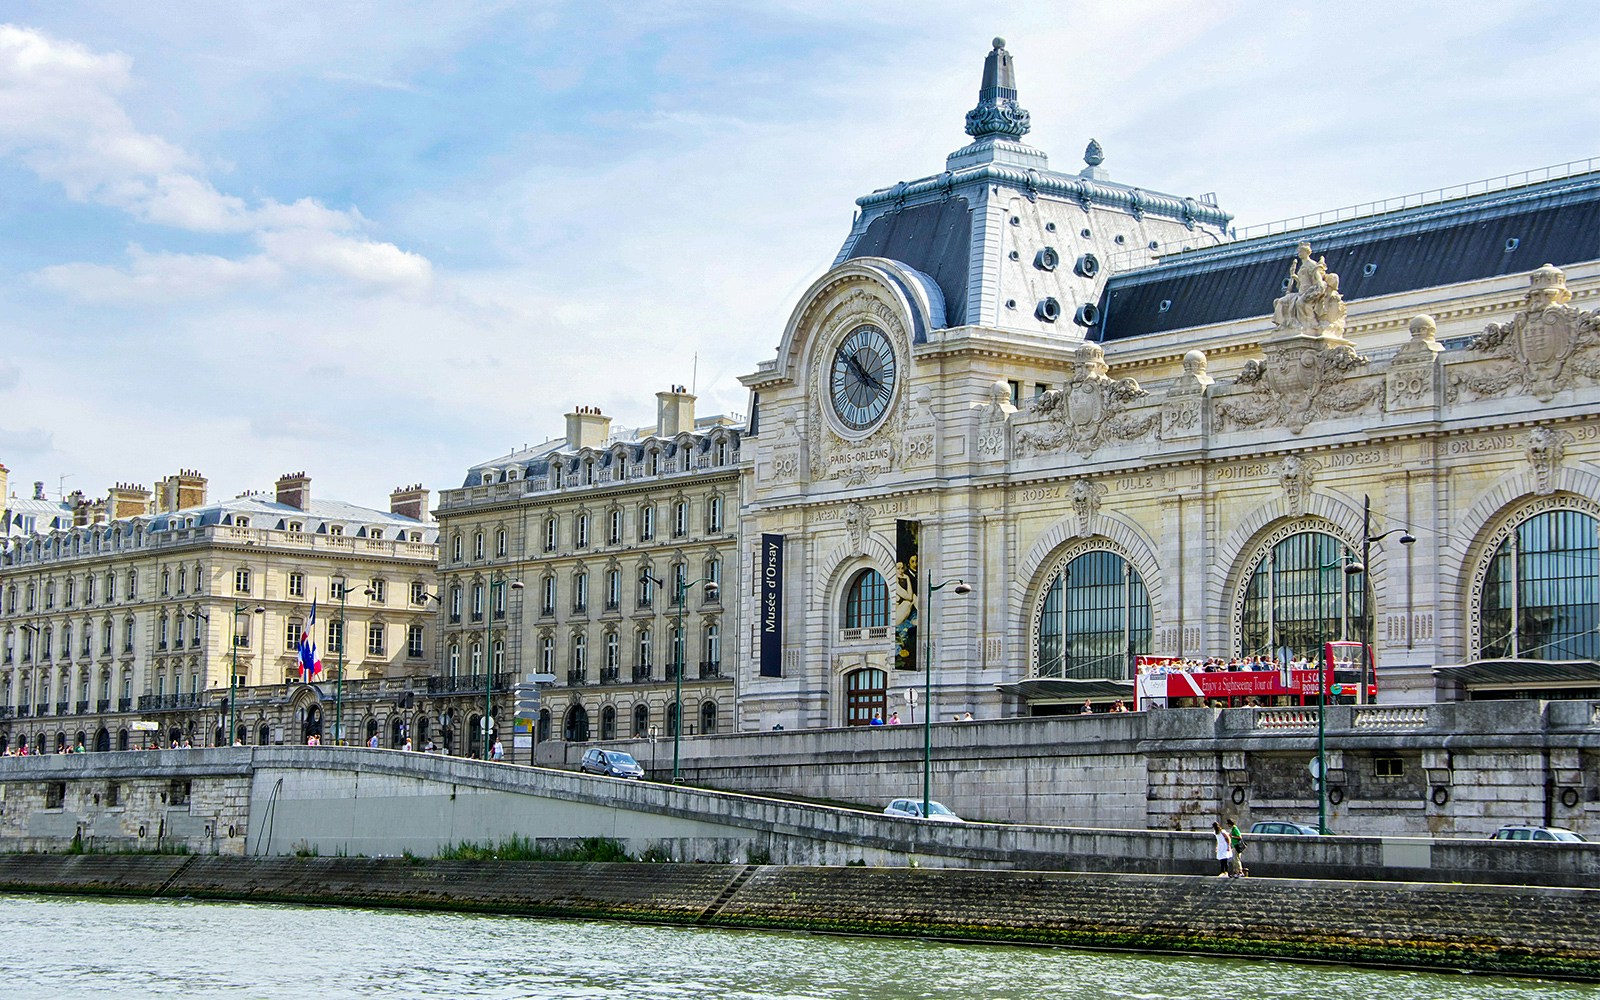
(611, 763)
(1278, 826)
(1545, 833)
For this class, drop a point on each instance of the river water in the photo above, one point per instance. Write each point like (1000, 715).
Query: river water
(63, 948)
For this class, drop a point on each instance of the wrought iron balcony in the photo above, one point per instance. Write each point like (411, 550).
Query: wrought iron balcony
(83, 708)
(641, 673)
(577, 676)
(710, 668)
(467, 683)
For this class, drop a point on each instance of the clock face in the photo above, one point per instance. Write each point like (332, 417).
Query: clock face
(861, 383)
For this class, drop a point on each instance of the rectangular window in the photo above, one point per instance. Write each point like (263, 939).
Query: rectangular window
(379, 589)
(419, 592)
(375, 639)
(297, 585)
(714, 515)
(1016, 391)
(414, 641)
(647, 523)
(241, 581)
(613, 589)
(680, 519)
(291, 636)
(335, 636)
(614, 529)
(336, 589)
(1388, 767)
(580, 534)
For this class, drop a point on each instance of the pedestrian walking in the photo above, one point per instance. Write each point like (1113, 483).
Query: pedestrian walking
(1224, 851)
(1236, 842)
(499, 751)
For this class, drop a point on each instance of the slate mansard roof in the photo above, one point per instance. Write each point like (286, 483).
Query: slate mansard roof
(1509, 231)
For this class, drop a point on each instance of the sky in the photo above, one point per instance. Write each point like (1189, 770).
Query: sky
(381, 242)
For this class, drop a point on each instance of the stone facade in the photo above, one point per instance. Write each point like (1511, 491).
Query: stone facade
(1245, 480)
(107, 621)
(553, 545)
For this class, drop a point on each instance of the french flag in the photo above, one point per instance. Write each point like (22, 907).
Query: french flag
(310, 659)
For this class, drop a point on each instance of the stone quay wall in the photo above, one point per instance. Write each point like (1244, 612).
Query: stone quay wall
(1546, 932)
(1446, 770)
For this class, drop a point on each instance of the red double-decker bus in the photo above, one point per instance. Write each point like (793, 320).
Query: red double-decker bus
(1345, 671)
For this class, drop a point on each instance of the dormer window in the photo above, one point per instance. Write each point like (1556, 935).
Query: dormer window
(241, 522)
(335, 530)
(295, 527)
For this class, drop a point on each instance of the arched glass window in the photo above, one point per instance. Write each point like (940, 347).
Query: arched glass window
(641, 720)
(1094, 618)
(672, 718)
(708, 718)
(544, 724)
(866, 604)
(1541, 594)
(1298, 597)
(608, 723)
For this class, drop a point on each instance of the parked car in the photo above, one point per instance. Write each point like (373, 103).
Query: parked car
(912, 809)
(1292, 829)
(611, 763)
(1548, 833)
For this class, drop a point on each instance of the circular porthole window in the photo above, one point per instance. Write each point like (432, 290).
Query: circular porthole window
(1165, 305)
(1011, 303)
(1049, 227)
(1369, 270)
(1088, 265)
(1016, 220)
(1512, 244)
(1049, 310)
(1047, 259)
(1088, 314)
(1014, 255)
(1119, 239)
(1086, 234)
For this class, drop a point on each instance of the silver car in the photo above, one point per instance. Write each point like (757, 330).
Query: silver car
(912, 809)
(611, 763)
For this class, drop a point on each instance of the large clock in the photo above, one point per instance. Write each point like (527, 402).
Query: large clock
(862, 380)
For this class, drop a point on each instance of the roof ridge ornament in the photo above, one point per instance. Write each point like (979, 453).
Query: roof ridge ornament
(997, 113)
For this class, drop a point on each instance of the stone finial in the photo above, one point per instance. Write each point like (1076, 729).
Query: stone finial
(1094, 154)
(1547, 287)
(1423, 327)
(998, 115)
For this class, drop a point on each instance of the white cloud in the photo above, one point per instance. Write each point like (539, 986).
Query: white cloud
(61, 116)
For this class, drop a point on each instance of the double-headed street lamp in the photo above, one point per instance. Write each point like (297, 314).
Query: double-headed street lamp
(1367, 538)
(488, 657)
(927, 686)
(233, 672)
(681, 585)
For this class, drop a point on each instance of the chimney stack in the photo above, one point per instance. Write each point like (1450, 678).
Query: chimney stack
(38, 489)
(587, 427)
(127, 500)
(186, 489)
(410, 501)
(294, 490)
(674, 411)
(82, 509)
(5, 483)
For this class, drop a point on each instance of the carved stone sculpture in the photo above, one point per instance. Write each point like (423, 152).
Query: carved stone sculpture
(1180, 411)
(1091, 409)
(993, 422)
(1546, 347)
(1545, 449)
(1294, 476)
(1412, 375)
(857, 524)
(1312, 304)
(1085, 496)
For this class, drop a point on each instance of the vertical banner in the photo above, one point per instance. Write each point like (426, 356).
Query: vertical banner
(770, 614)
(906, 536)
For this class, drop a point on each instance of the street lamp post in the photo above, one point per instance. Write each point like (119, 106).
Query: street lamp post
(233, 672)
(681, 585)
(343, 584)
(927, 686)
(488, 657)
(1367, 538)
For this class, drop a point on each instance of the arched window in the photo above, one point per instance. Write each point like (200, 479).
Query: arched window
(1541, 591)
(641, 720)
(672, 718)
(544, 724)
(708, 718)
(477, 545)
(575, 729)
(1297, 596)
(867, 601)
(608, 723)
(865, 695)
(1094, 616)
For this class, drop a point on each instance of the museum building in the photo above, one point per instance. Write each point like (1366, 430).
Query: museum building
(1034, 424)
